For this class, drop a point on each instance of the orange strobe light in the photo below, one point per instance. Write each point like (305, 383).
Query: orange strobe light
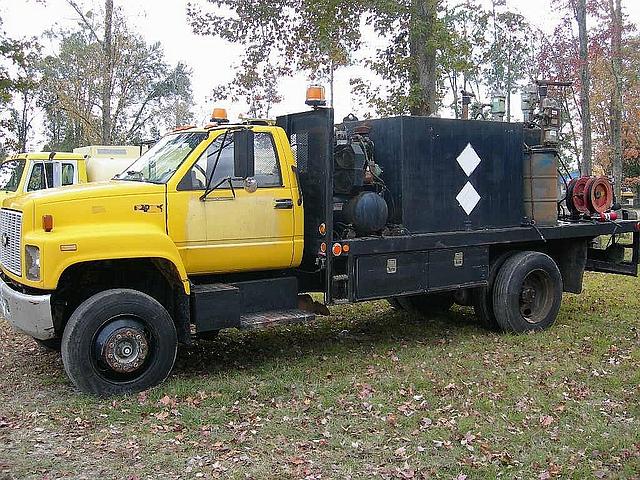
(315, 96)
(219, 115)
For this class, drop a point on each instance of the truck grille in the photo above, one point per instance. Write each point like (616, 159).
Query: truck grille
(10, 241)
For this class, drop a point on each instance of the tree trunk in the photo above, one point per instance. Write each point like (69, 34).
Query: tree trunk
(422, 48)
(107, 72)
(585, 80)
(616, 97)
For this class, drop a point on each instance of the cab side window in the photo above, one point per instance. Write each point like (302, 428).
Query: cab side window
(68, 173)
(41, 177)
(267, 167)
(216, 157)
(36, 181)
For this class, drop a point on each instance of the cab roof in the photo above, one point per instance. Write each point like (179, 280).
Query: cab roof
(47, 156)
(223, 126)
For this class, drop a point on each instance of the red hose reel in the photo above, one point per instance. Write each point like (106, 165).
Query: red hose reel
(590, 195)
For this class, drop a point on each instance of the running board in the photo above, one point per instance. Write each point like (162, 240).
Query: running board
(275, 318)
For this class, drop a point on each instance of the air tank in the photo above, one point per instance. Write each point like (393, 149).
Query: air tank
(367, 212)
(540, 175)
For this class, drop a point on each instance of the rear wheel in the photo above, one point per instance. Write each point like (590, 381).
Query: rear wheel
(119, 341)
(527, 292)
(483, 297)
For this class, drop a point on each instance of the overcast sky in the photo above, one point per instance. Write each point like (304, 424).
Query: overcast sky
(210, 59)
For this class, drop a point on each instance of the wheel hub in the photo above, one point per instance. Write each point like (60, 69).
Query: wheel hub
(535, 299)
(528, 295)
(125, 349)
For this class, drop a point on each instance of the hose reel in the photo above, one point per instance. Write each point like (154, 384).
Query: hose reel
(589, 195)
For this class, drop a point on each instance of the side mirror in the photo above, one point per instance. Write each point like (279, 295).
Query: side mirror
(243, 160)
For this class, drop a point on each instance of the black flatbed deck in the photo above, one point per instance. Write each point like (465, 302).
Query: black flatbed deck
(522, 234)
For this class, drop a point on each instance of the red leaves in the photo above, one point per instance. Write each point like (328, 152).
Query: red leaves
(546, 420)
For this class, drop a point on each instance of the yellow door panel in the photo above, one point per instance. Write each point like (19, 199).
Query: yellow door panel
(232, 234)
(188, 228)
(248, 231)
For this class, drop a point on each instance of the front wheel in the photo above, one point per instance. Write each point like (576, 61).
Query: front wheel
(527, 292)
(119, 341)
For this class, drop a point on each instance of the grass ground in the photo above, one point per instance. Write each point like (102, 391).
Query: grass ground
(368, 392)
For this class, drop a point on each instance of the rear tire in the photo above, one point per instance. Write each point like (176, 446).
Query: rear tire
(483, 297)
(117, 342)
(527, 292)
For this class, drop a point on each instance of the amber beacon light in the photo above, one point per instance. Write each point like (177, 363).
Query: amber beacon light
(219, 115)
(315, 96)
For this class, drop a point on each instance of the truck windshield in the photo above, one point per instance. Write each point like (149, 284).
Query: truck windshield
(160, 162)
(10, 174)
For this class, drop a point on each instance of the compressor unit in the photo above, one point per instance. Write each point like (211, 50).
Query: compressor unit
(358, 190)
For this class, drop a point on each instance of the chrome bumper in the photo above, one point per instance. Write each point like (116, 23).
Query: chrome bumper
(30, 314)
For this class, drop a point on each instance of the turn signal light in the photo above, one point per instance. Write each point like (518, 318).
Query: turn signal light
(47, 223)
(337, 249)
(315, 96)
(219, 115)
(322, 229)
(346, 248)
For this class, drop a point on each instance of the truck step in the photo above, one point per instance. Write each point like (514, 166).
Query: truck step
(275, 318)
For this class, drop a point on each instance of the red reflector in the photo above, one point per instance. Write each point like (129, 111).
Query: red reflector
(47, 223)
(638, 227)
(608, 217)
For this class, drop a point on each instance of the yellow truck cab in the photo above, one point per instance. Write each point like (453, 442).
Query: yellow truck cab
(181, 210)
(230, 226)
(28, 172)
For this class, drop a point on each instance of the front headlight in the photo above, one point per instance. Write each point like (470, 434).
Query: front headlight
(32, 262)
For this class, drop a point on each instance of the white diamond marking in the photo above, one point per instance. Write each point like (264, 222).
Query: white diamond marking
(468, 198)
(468, 159)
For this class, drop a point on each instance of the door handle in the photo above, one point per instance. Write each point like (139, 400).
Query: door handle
(283, 204)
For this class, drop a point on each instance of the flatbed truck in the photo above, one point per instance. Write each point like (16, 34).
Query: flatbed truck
(232, 225)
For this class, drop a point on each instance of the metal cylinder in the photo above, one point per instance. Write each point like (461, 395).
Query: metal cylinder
(540, 175)
(367, 212)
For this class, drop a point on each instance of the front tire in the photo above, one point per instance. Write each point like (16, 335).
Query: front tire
(527, 292)
(117, 342)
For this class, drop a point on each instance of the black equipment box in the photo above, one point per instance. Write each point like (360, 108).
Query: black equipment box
(450, 175)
